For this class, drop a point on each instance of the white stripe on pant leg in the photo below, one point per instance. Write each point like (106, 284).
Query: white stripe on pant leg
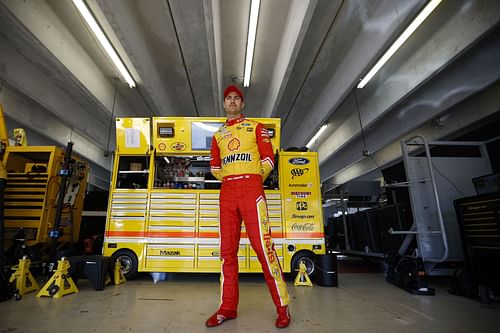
(221, 282)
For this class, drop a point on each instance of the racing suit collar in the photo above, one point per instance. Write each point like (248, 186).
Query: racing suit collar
(236, 120)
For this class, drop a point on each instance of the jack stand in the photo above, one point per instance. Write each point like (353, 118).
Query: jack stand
(60, 284)
(25, 282)
(119, 278)
(302, 279)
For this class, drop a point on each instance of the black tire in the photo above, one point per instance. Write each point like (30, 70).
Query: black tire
(129, 263)
(308, 259)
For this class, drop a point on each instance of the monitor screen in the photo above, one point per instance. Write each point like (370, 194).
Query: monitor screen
(165, 132)
(202, 133)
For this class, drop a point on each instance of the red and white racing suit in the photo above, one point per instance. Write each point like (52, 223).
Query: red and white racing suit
(242, 157)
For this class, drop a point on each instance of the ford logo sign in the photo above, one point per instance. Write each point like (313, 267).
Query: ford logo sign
(298, 161)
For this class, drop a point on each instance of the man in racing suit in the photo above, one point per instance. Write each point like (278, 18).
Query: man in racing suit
(242, 158)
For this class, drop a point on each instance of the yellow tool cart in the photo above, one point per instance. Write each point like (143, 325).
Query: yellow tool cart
(163, 213)
(31, 195)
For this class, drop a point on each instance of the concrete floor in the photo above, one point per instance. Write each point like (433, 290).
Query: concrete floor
(363, 302)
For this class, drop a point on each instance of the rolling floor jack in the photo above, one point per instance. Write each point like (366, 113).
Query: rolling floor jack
(60, 284)
(23, 279)
(302, 279)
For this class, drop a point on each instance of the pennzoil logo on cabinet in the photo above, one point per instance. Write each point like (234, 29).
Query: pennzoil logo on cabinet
(178, 146)
(298, 161)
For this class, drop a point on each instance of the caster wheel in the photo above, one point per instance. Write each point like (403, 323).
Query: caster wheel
(53, 290)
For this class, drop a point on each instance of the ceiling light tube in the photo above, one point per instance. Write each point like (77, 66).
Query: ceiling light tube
(428, 9)
(96, 29)
(252, 32)
(316, 136)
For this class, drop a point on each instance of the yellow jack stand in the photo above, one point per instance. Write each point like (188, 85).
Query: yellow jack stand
(25, 282)
(302, 279)
(119, 278)
(60, 284)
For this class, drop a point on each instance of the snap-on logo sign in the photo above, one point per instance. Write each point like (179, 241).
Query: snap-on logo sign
(298, 161)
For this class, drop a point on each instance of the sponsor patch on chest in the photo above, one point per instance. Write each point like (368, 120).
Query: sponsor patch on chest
(242, 157)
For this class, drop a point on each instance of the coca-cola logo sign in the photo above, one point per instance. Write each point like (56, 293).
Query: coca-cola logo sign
(302, 227)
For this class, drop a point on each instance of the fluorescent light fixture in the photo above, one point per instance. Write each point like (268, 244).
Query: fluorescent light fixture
(428, 9)
(316, 136)
(96, 29)
(252, 32)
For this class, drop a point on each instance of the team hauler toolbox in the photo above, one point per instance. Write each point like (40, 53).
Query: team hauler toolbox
(163, 213)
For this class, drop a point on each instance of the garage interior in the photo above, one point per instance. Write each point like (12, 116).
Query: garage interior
(441, 87)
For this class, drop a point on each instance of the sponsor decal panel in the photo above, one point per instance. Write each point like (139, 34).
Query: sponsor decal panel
(178, 146)
(301, 194)
(298, 161)
(300, 185)
(303, 216)
(170, 253)
(298, 172)
(303, 227)
(301, 205)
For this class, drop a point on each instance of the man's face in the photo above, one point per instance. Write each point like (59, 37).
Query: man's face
(233, 104)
